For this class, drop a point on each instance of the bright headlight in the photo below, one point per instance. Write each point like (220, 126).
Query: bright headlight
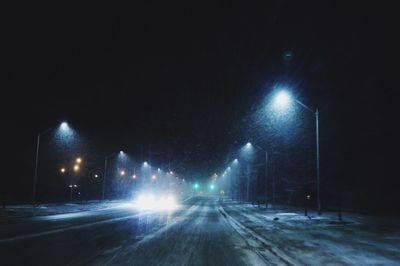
(149, 202)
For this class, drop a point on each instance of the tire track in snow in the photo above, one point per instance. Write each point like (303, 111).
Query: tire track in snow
(251, 237)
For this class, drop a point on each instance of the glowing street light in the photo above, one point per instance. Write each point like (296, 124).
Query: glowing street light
(64, 126)
(145, 164)
(154, 177)
(122, 173)
(282, 99)
(78, 160)
(62, 170)
(76, 167)
(134, 176)
(96, 176)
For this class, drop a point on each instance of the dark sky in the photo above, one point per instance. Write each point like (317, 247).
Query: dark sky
(183, 78)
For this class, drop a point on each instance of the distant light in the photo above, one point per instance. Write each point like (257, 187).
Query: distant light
(171, 172)
(75, 185)
(134, 176)
(235, 161)
(96, 175)
(70, 186)
(159, 170)
(121, 152)
(229, 168)
(122, 172)
(78, 160)
(145, 164)
(196, 185)
(212, 187)
(248, 144)
(62, 170)
(64, 126)
(282, 99)
(76, 168)
(154, 177)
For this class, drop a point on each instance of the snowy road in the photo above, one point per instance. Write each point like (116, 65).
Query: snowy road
(204, 231)
(196, 234)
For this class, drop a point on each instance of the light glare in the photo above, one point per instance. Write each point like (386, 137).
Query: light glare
(282, 99)
(64, 126)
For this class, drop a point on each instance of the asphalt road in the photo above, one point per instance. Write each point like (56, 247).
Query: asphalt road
(198, 233)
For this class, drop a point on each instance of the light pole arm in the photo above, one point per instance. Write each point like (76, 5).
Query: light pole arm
(306, 107)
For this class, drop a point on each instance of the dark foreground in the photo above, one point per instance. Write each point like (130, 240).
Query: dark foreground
(203, 231)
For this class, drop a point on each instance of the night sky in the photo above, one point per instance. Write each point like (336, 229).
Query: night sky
(185, 80)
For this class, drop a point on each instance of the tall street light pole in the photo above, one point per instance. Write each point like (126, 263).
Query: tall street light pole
(36, 170)
(266, 170)
(283, 98)
(64, 126)
(104, 178)
(316, 114)
(105, 172)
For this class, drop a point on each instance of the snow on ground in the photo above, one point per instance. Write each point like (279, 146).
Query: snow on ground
(21, 211)
(320, 240)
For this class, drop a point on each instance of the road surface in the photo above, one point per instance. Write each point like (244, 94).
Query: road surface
(203, 231)
(195, 234)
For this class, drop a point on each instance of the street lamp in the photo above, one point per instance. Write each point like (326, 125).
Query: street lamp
(283, 99)
(78, 160)
(62, 170)
(64, 128)
(76, 168)
(249, 146)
